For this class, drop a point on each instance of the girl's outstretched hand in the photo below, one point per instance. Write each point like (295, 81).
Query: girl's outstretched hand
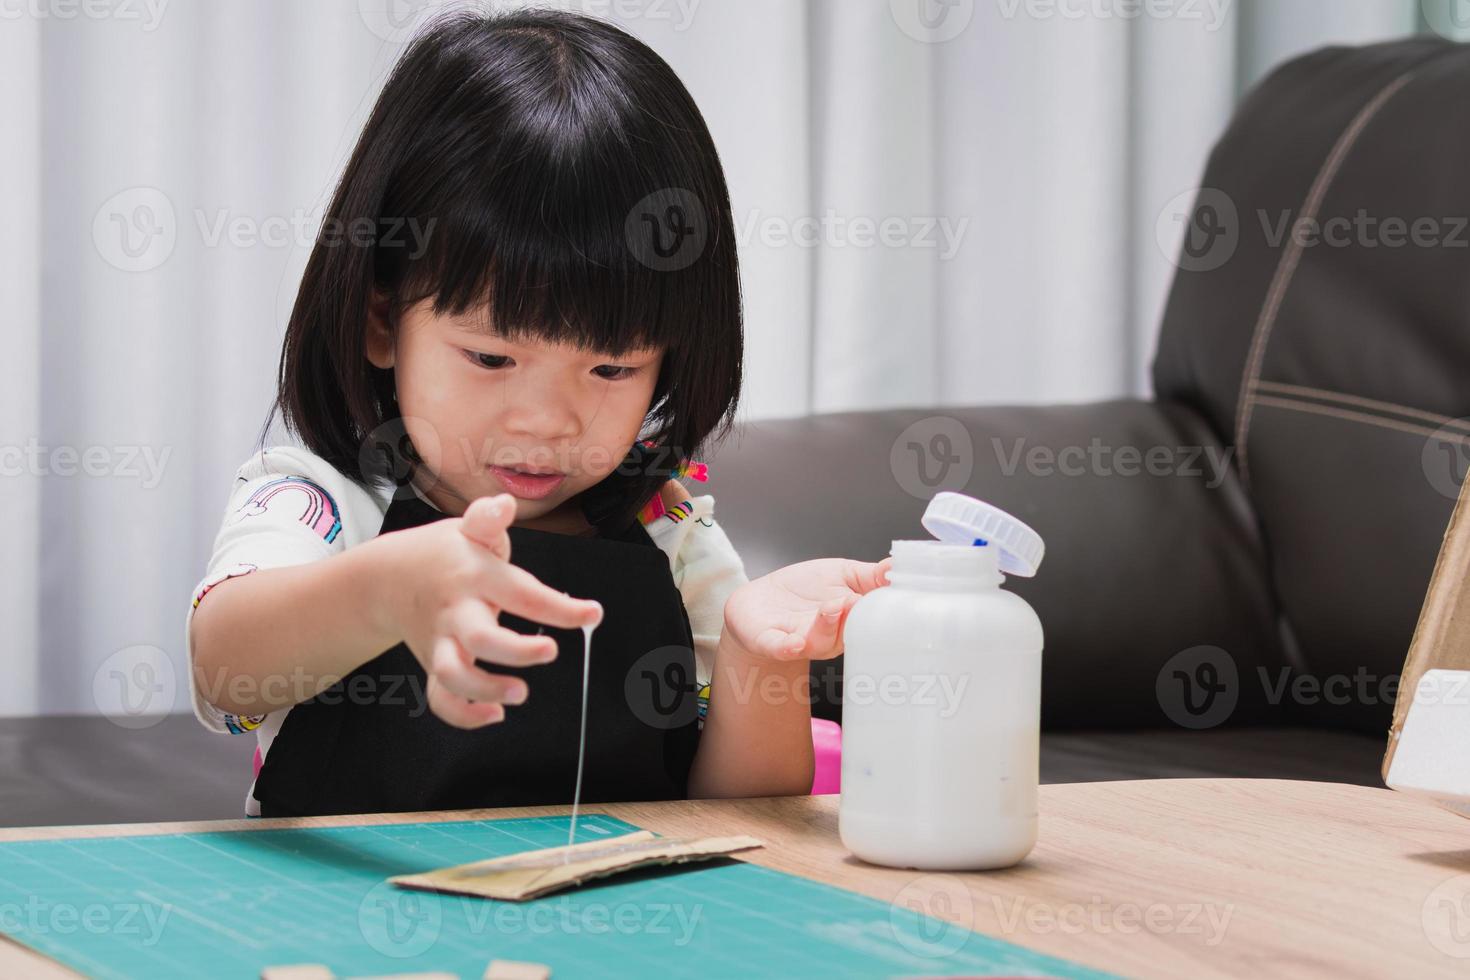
(457, 578)
(798, 612)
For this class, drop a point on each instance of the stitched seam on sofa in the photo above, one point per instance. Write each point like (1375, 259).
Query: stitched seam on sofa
(1286, 268)
(1362, 417)
(1382, 407)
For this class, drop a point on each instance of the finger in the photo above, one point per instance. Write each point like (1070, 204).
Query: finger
(863, 576)
(779, 644)
(516, 590)
(485, 521)
(828, 626)
(454, 669)
(460, 712)
(884, 567)
(473, 624)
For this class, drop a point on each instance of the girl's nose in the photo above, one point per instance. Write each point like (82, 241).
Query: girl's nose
(542, 420)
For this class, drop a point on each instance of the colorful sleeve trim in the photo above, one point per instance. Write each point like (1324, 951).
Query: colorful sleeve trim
(243, 724)
(318, 510)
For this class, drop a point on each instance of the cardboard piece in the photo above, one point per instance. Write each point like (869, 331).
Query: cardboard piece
(1429, 743)
(516, 970)
(318, 971)
(531, 874)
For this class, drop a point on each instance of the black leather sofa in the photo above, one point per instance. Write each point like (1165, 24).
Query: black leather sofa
(1234, 568)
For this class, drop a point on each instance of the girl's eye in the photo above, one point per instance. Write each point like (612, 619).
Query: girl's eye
(486, 360)
(491, 362)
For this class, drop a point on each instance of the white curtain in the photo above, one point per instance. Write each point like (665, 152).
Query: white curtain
(939, 202)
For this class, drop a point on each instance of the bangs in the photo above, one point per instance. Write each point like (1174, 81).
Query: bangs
(574, 219)
(548, 267)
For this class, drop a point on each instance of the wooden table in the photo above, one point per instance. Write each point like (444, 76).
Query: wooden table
(1166, 878)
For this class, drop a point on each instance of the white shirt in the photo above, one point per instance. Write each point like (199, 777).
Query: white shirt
(288, 506)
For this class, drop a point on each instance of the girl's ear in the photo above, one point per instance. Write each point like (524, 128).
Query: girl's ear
(380, 331)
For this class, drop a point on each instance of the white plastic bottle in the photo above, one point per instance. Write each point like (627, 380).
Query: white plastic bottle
(941, 708)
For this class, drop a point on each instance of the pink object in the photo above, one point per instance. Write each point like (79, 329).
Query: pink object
(257, 760)
(827, 746)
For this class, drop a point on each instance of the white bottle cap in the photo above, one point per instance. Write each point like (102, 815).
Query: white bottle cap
(958, 519)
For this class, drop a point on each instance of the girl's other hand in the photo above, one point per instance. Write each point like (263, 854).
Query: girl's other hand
(455, 579)
(798, 612)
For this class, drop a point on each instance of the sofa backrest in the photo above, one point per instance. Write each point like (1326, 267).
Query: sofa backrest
(1320, 322)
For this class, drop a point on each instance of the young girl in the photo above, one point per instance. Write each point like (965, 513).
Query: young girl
(520, 322)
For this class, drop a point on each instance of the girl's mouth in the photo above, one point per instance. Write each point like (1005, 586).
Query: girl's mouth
(527, 486)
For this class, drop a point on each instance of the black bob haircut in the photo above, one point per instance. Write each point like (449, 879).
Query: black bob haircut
(572, 194)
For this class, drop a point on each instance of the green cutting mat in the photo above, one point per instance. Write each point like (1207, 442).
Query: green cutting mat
(226, 904)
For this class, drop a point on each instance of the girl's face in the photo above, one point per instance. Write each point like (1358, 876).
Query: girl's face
(472, 401)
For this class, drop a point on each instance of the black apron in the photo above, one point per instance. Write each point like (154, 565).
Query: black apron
(370, 744)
